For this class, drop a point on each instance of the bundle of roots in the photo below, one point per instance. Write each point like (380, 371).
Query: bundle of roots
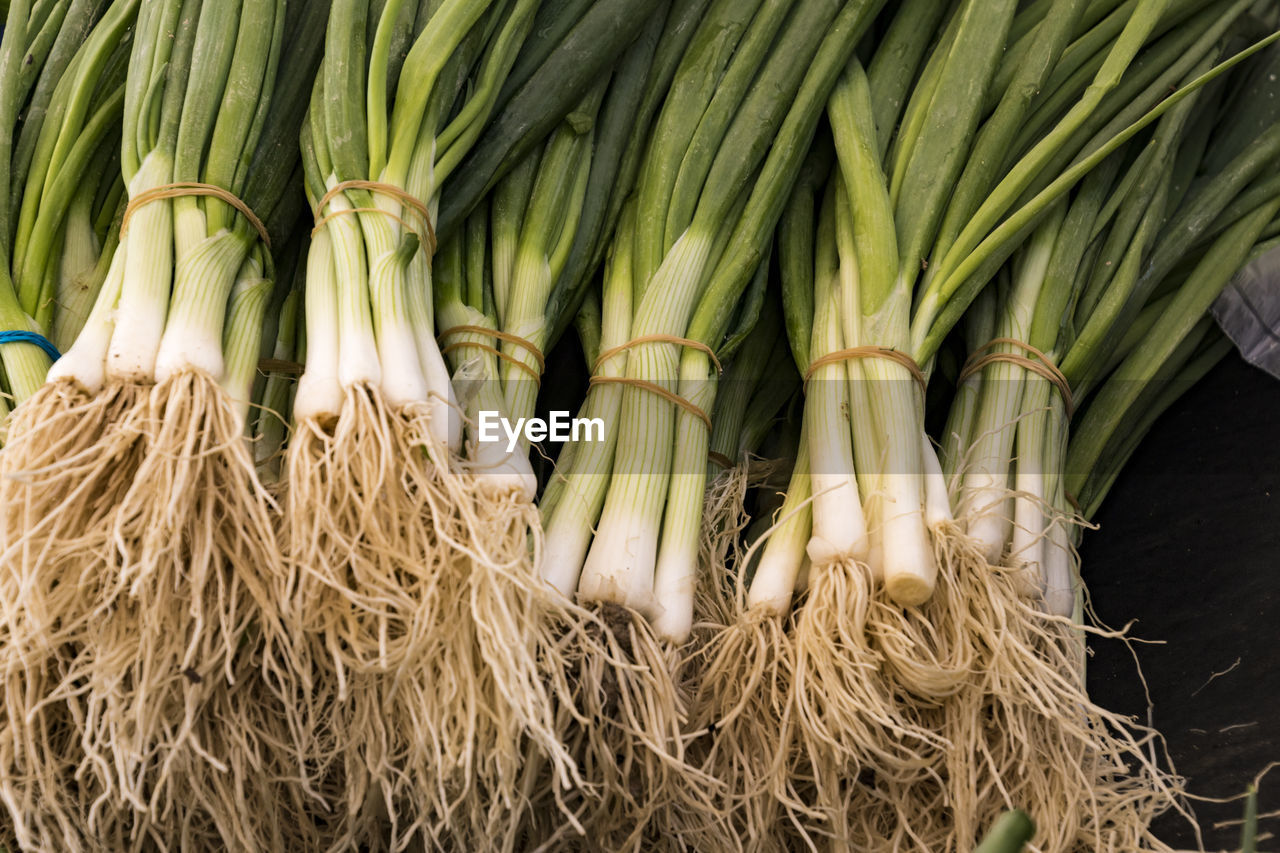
(136, 604)
(409, 592)
(859, 724)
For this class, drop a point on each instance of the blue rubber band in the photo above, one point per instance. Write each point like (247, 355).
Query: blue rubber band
(34, 339)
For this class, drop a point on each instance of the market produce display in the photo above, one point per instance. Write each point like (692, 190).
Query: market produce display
(860, 307)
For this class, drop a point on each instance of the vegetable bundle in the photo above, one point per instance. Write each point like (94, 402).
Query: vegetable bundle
(139, 539)
(861, 306)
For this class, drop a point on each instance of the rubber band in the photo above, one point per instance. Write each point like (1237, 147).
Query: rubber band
(658, 339)
(651, 387)
(190, 188)
(1043, 367)
(538, 357)
(654, 388)
(502, 336)
(885, 353)
(382, 189)
(720, 459)
(35, 339)
(494, 351)
(280, 365)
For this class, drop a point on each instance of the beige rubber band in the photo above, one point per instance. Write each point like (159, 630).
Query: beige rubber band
(658, 339)
(495, 352)
(188, 189)
(1042, 366)
(886, 353)
(502, 336)
(651, 387)
(321, 219)
(654, 388)
(536, 373)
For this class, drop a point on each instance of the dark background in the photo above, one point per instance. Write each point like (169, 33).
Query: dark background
(1188, 546)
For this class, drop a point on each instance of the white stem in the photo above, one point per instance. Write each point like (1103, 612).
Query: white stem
(586, 466)
(403, 380)
(1060, 587)
(242, 345)
(676, 573)
(319, 395)
(502, 472)
(86, 361)
(630, 536)
(148, 278)
(777, 574)
(908, 565)
(446, 413)
(569, 527)
(202, 285)
(1030, 503)
(358, 362)
(937, 503)
(839, 526)
(873, 511)
(909, 568)
(985, 502)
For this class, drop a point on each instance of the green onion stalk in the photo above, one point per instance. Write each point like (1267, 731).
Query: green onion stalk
(170, 536)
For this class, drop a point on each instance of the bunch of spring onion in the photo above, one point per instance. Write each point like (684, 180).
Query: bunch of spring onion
(61, 103)
(514, 254)
(138, 496)
(1130, 247)
(1031, 693)
(727, 145)
(368, 523)
(60, 196)
(1132, 263)
(852, 715)
(731, 738)
(505, 286)
(410, 597)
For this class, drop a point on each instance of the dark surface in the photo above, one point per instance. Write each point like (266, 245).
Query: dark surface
(1188, 545)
